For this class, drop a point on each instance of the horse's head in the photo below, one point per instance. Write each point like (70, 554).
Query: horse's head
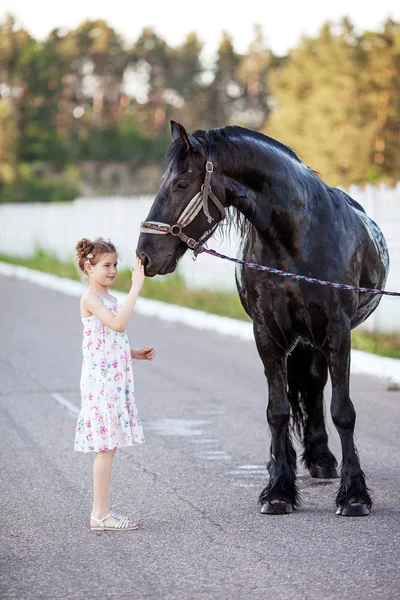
(181, 212)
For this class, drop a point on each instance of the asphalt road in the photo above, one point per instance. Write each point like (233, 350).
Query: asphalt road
(193, 486)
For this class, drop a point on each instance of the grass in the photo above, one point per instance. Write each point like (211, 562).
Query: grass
(172, 289)
(383, 344)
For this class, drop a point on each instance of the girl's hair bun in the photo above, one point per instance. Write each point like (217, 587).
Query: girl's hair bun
(83, 247)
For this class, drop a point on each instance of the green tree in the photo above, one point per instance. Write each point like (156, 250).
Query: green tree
(150, 60)
(82, 95)
(320, 107)
(382, 97)
(252, 75)
(94, 58)
(103, 59)
(185, 93)
(8, 141)
(13, 40)
(40, 70)
(224, 91)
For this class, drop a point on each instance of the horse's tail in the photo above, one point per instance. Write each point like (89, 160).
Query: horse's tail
(307, 373)
(294, 394)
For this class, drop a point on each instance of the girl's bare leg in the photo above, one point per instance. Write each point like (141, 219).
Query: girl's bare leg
(102, 467)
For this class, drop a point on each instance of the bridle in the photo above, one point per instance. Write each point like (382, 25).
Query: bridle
(198, 202)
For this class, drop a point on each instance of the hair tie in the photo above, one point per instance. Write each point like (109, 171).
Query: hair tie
(90, 255)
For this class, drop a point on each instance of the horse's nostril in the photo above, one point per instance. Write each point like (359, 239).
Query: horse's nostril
(144, 258)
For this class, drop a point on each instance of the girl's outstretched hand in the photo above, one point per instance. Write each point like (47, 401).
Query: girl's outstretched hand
(137, 278)
(145, 353)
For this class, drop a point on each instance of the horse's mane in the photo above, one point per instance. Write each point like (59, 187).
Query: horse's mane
(228, 138)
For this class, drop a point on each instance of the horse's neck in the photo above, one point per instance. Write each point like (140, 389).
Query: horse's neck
(259, 193)
(259, 166)
(271, 193)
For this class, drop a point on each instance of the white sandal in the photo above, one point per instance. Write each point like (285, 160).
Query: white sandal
(124, 523)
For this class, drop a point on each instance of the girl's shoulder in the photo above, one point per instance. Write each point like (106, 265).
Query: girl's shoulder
(90, 299)
(85, 299)
(91, 296)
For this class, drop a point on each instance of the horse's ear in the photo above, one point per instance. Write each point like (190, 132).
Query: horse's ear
(178, 132)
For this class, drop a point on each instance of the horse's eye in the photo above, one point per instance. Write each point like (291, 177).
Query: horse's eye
(183, 185)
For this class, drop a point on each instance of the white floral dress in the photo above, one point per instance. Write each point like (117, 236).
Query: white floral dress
(108, 418)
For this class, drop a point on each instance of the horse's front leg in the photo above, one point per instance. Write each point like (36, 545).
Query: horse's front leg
(353, 499)
(281, 494)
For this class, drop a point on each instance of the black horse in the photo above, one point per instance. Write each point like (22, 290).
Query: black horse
(290, 220)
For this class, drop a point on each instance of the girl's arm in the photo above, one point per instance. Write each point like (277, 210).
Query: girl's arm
(118, 322)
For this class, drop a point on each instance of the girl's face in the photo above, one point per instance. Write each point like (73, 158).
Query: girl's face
(105, 270)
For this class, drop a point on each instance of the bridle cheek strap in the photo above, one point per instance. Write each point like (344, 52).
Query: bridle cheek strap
(208, 193)
(198, 202)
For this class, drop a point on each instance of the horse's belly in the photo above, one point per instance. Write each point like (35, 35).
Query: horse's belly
(374, 271)
(364, 311)
(379, 243)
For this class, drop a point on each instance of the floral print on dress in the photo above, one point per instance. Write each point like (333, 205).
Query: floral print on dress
(108, 418)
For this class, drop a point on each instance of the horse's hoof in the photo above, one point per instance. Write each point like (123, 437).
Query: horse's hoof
(276, 507)
(354, 509)
(323, 472)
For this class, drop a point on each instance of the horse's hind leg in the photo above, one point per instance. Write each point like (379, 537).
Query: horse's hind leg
(307, 376)
(353, 499)
(281, 494)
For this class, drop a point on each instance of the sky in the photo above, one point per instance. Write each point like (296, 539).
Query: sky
(283, 21)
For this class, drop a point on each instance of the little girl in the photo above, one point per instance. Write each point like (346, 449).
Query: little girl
(108, 419)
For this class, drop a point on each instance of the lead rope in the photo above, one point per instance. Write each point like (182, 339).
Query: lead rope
(200, 201)
(341, 286)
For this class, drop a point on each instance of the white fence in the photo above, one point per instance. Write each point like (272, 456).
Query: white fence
(56, 228)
